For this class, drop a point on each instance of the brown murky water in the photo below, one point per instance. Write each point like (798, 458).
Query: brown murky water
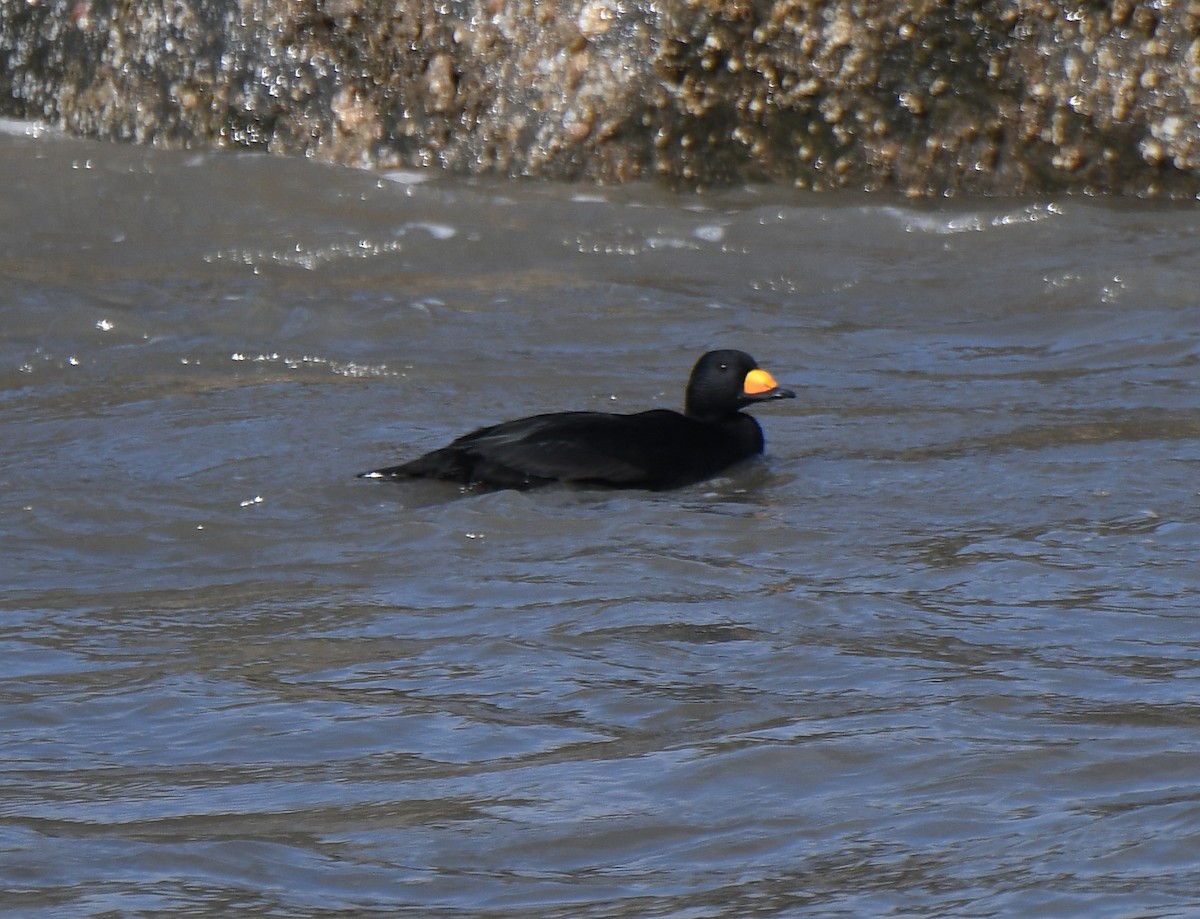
(936, 654)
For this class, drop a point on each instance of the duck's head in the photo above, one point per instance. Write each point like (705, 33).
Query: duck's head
(724, 381)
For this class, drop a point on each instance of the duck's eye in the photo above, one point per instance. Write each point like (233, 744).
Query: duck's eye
(722, 366)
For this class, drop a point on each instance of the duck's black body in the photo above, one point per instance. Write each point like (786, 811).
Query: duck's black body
(656, 449)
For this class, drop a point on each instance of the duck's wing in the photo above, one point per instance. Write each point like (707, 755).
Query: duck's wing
(591, 447)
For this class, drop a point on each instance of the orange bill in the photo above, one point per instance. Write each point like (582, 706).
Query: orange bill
(758, 381)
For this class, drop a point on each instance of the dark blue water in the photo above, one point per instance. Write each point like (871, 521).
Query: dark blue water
(936, 654)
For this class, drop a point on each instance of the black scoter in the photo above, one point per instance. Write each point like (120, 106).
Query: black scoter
(656, 450)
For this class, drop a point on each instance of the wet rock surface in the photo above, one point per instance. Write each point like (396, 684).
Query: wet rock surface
(925, 98)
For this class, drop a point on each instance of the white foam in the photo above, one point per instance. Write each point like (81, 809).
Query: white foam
(406, 176)
(15, 127)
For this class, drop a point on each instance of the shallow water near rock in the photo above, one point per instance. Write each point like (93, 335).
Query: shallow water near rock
(935, 654)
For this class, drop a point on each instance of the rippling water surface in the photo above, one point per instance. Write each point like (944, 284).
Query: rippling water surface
(936, 654)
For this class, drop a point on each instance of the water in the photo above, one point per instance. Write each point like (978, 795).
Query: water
(936, 654)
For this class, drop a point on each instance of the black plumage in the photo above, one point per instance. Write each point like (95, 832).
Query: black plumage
(656, 449)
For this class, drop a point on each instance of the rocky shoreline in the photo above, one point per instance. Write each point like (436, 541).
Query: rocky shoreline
(925, 98)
